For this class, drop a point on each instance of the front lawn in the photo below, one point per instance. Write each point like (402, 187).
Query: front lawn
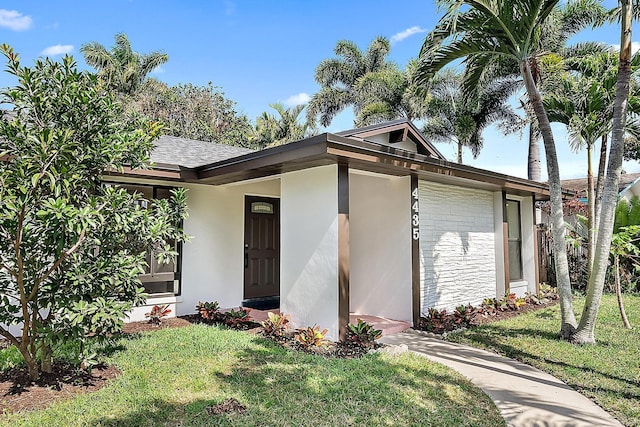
(172, 376)
(608, 373)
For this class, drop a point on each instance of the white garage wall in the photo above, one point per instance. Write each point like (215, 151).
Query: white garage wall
(309, 248)
(457, 249)
(380, 239)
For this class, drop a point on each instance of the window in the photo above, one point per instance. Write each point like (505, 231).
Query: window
(514, 237)
(158, 278)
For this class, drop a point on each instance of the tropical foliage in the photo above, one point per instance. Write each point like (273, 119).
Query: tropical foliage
(202, 113)
(485, 33)
(272, 130)
(339, 78)
(121, 68)
(458, 118)
(71, 248)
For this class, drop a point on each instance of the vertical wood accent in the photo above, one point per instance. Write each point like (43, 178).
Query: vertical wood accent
(415, 253)
(536, 250)
(505, 244)
(343, 250)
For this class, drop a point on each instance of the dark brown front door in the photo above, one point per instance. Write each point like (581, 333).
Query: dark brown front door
(262, 247)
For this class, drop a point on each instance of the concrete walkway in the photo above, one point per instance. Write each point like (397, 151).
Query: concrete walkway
(524, 395)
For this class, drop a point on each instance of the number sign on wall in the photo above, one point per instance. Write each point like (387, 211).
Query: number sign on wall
(415, 210)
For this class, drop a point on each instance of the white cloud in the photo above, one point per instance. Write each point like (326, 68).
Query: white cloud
(635, 46)
(293, 100)
(407, 33)
(158, 70)
(14, 20)
(59, 49)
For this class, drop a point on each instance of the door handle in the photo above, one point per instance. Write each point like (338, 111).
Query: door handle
(246, 256)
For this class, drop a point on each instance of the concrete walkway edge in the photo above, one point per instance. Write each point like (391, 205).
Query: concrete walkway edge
(525, 396)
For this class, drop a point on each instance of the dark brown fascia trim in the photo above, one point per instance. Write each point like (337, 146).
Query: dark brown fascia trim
(295, 151)
(409, 161)
(158, 171)
(332, 147)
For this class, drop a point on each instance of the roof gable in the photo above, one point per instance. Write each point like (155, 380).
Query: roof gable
(398, 131)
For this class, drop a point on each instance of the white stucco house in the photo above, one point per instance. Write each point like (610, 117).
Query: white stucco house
(371, 220)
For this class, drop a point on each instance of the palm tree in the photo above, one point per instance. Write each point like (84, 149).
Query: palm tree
(389, 94)
(481, 31)
(274, 130)
(562, 23)
(338, 77)
(452, 117)
(122, 69)
(585, 332)
(581, 98)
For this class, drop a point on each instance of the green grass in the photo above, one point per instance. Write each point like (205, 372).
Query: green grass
(171, 376)
(608, 373)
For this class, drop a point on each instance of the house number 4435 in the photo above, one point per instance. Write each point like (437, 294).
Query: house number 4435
(415, 214)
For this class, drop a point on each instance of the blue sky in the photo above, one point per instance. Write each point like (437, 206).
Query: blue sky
(258, 52)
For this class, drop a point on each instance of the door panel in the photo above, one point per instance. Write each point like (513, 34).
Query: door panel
(262, 247)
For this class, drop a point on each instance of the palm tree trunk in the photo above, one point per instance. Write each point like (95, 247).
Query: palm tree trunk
(459, 152)
(600, 183)
(568, 322)
(623, 314)
(533, 160)
(585, 332)
(591, 209)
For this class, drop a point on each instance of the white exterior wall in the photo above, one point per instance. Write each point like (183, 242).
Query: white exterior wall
(528, 282)
(309, 248)
(457, 247)
(380, 239)
(213, 261)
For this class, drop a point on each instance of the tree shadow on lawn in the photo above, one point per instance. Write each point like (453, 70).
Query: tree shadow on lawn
(365, 391)
(490, 336)
(284, 387)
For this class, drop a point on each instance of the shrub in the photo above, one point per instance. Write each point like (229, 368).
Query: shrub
(237, 318)
(311, 336)
(209, 310)
(157, 313)
(363, 334)
(276, 324)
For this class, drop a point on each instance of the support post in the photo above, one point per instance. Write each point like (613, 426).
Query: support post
(343, 250)
(415, 251)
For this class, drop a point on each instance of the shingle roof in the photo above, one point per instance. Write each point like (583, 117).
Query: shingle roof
(191, 153)
(580, 184)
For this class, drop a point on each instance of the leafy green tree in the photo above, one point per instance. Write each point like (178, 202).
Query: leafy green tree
(195, 112)
(454, 117)
(120, 67)
(482, 32)
(272, 130)
(338, 78)
(71, 248)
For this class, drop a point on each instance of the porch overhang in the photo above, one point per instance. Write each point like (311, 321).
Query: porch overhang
(327, 148)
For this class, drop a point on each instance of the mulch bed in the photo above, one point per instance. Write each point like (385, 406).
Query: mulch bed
(19, 393)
